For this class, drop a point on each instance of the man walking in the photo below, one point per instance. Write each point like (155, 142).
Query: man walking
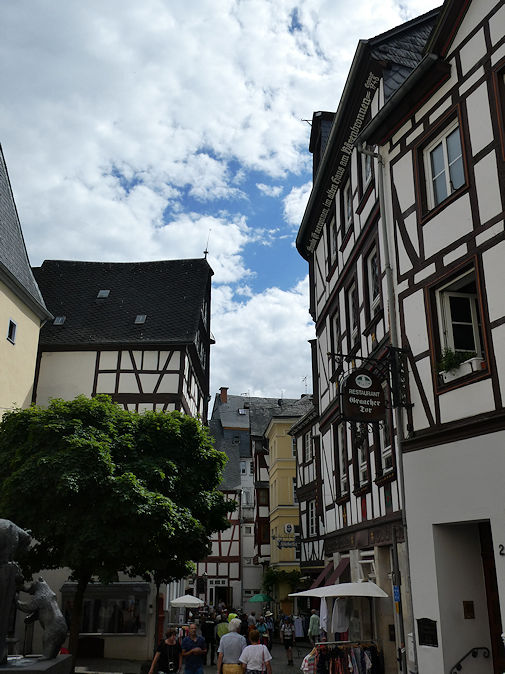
(209, 634)
(230, 649)
(194, 650)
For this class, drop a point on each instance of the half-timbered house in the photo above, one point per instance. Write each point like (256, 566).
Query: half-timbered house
(404, 235)
(348, 470)
(443, 145)
(139, 332)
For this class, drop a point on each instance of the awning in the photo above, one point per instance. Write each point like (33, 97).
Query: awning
(366, 589)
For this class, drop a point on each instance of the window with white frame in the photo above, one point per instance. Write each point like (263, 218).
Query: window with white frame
(295, 497)
(311, 518)
(361, 453)
(307, 448)
(251, 468)
(366, 566)
(342, 460)
(385, 440)
(243, 468)
(443, 165)
(353, 312)
(293, 446)
(366, 169)
(459, 315)
(373, 281)
(347, 206)
(332, 233)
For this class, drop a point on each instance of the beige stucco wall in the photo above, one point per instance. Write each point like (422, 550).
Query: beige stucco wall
(17, 361)
(65, 374)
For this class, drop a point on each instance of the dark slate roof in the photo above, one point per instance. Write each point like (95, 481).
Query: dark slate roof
(231, 475)
(259, 411)
(14, 264)
(402, 49)
(169, 292)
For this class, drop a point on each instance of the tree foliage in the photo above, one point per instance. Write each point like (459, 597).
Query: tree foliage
(104, 490)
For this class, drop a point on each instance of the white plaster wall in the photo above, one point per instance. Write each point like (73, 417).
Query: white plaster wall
(494, 275)
(479, 118)
(404, 180)
(451, 483)
(453, 222)
(475, 14)
(488, 191)
(417, 332)
(467, 400)
(497, 26)
(472, 51)
(498, 337)
(65, 374)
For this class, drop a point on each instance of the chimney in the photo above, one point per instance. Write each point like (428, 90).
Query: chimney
(223, 394)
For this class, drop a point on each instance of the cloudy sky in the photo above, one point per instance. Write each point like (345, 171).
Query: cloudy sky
(152, 129)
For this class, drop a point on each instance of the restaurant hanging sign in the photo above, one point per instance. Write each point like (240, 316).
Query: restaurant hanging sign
(362, 397)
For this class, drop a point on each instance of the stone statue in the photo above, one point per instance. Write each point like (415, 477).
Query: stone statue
(43, 606)
(12, 539)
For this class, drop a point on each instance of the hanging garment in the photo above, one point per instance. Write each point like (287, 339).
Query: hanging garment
(340, 616)
(298, 627)
(323, 615)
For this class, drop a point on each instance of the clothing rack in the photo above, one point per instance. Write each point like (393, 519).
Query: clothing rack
(348, 644)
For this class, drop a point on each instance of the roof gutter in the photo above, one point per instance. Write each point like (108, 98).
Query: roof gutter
(356, 62)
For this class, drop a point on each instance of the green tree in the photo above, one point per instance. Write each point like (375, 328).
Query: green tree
(104, 490)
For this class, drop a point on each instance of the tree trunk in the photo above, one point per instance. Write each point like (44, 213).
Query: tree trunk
(76, 618)
(158, 583)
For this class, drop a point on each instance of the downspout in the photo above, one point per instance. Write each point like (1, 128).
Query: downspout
(394, 340)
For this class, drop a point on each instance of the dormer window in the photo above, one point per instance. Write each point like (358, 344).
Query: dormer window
(140, 319)
(59, 320)
(102, 294)
(11, 332)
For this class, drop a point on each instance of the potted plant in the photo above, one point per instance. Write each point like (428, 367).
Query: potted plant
(455, 364)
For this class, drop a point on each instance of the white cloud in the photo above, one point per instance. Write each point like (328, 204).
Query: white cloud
(261, 343)
(270, 190)
(295, 202)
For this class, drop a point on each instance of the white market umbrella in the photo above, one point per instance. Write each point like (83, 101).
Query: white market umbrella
(187, 601)
(366, 589)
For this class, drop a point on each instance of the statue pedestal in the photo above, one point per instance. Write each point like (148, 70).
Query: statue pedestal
(62, 664)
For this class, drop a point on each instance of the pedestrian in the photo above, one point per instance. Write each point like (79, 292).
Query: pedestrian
(168, 656)
(256, 658)
(269, 622)
(251, 620)
(209, 634)
(314, 627)
(231, 646)
(287, 632)
(263, 631)
(221, 629)
(194, 650)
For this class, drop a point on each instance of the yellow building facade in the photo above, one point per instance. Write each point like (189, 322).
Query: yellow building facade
(284, 514)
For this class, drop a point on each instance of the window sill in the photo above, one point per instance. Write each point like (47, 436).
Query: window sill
(386, 477)
(372, 323)
(429, 213)
(468, 367)
(362, 489)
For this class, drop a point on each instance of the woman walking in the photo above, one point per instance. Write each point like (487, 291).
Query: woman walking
(255, 658)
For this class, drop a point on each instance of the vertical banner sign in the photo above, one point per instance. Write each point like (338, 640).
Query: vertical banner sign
(362, 397)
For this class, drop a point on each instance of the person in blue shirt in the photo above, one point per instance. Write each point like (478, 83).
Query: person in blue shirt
(194, 650)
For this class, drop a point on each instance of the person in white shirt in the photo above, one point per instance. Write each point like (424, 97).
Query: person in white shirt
(255, 658)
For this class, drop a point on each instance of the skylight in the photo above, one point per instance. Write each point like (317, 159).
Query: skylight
(59, 320)
(140, 318)
(102, 294)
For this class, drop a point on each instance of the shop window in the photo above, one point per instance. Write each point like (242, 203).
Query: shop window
(110, 609)
(311, 518)
(443, 165)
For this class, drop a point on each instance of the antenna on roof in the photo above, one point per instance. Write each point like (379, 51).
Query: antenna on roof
(304, 379)
(309, 121)
(206, 251)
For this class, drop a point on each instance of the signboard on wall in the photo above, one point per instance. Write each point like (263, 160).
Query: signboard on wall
(362, 397)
